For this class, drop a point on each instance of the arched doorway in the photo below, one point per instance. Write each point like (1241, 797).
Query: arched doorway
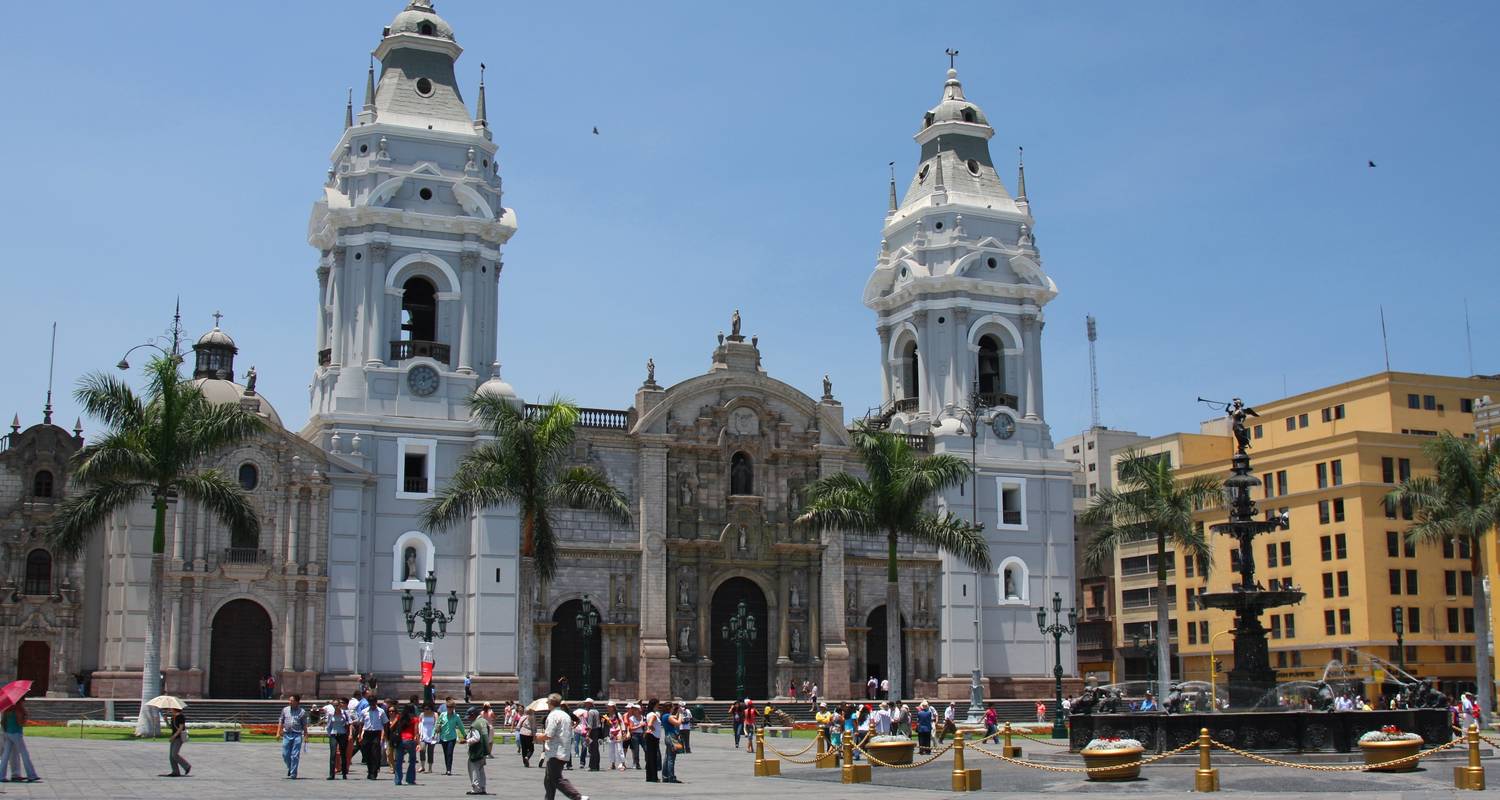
(34, 663)
(875, 649)
(567, 654)
(726, 604)
(239, 650)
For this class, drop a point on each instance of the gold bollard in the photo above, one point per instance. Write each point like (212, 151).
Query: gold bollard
(764, 766)
(1206, 779)
(853, 773)
(964, 780)
(828, 758)
(1471, 776)
(1007, 749)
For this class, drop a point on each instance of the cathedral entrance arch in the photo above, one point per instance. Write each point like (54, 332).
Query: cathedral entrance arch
(875, 649)
(239, 650)
(567, 654)
(725, 605)
(34, 663)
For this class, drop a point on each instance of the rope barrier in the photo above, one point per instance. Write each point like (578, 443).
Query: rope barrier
(877, 762)
(1320, 768)
(1114, 767)
(1033, 737)
(789, 756)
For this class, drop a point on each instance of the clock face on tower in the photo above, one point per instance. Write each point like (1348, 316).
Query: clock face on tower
(422, 379)
(1004, 425)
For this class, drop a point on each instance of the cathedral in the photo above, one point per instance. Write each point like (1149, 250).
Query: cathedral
(409, 228)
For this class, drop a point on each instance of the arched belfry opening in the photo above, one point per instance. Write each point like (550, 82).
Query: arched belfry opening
(418, 310)
(910, 388)
(991, 370)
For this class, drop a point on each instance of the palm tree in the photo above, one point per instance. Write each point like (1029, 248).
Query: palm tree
(524, 466)
(1151, 502)
(893, 501)
(1460, 501)
(152, 448)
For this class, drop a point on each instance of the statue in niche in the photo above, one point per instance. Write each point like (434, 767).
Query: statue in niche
(796, 597)
(796, 641)
(1010, 585)
(851, 594)
(744, 539)
(683, 599)
(409, 564)
(685, 640)
(685, 492)
(619, 597)
(922, 599)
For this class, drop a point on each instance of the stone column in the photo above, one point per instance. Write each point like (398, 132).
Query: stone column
(885, 365)
(784, 616)
(655, 674)
(323, 303)
(375, 305)
(1036, 346)
(293, 522)
(195, 647)
(834, 647)
(468, 263)
(177, 509)
(173, 629)
(965, 361)
(812, 641)
(336, 300)
(290, 617)
(309, 630)
(925, 386)
(1032, 355)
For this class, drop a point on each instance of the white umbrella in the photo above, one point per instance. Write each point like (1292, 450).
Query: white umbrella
(165, 701)
(539, 704)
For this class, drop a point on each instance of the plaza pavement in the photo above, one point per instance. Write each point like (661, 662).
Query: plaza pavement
(124, 769)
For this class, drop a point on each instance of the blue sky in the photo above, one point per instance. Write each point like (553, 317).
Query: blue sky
(1197, 171)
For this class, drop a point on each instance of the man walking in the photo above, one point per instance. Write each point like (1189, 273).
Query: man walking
(558, 738)
(685, 730)
(292, 729)
(595, 731)
(336, 719)
(479, 738)
(374, 730)
(870, 686)
(468, 688)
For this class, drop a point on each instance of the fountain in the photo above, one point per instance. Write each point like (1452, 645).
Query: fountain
(1255, 718)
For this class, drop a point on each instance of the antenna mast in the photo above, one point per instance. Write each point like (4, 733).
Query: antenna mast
(1093, 330)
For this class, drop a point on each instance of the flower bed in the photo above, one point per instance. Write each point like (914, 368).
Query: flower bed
(123, 725)
(1390, 743)
(1117, 753)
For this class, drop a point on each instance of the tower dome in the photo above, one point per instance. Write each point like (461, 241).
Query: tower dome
(215, 353)
(497, 388)
(953, 107)
(420, 18)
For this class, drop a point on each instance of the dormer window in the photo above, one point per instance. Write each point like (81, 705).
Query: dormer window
(968, 114)
(927, 120)
(425, 29)
(922, 174)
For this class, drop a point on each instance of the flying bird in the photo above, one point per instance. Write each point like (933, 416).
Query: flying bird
(1371, 163)
(596, 133)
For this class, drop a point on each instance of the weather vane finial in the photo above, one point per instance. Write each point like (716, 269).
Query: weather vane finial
(952, 54)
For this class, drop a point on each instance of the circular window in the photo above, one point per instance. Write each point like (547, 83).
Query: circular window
(903, 272)
(990, 262)
(364, 148)
(922, 174)
(973, 167)
(424, 87)
(425, 194)
(249, 477)
(937, 225)
(358, 256)
(941, 320)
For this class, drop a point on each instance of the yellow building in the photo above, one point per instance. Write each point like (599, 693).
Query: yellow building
(1326, 458)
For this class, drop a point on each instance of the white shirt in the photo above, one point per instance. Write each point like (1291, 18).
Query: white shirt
(948, 714)
(559, 731)
(882, 719)
(375, 718)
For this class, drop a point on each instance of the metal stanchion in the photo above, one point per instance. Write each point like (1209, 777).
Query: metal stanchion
(1206, 779)
(964, 780)
(764, 766)
(1007, 749)
(853, 773)
(1471, 776)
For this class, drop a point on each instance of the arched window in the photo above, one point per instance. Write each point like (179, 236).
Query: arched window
(41, 483)
(249, 477)
(909, 386)
(741, 475)
(425, 29)
(968, 114)
(38, 572)
(418, 310)
(991, 369)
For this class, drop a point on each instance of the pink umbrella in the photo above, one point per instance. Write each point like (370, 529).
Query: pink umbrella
(13, 693)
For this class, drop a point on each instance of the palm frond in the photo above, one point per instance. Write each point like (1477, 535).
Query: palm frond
(207, 428)
(223, 498)
(588, 488)
(488, 476)
(89, 505)
(840, 502)
(953, 535)
(116, 456)
(111, 401)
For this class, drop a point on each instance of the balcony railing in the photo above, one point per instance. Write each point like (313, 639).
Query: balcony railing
(611, 419)
(907, 405)
(1010, 517)
(37, 586)
(995, 399)
(325, 356)
(244, 556)
(916, 441)
(404, 349)
(414, 484)
(1093, 613)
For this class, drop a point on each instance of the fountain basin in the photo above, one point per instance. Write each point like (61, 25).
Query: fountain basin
(1258, 599)
(1261, 731)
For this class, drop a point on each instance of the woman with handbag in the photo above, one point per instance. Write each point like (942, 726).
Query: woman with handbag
(179, 738)
(671, 726)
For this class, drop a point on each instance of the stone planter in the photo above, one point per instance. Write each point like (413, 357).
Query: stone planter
(1381, 752)
(1094, 759)
(897, 754)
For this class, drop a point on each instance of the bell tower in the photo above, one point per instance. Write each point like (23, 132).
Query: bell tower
(409, 229)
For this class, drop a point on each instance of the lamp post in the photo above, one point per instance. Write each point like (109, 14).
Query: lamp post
(1057, 630)
(741, 632)
(587, 620)
(976, 690)
(1398, 621)
(429, 617)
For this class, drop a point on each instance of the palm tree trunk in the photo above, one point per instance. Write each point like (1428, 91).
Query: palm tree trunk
(1163, 623)
(1483, 669)
(892, 621)
(526, 633)
(147, 723)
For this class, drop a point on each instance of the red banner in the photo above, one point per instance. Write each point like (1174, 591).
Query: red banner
(427, 673)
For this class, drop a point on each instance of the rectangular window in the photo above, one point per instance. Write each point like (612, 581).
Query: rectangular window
(1328, 584)
(1296, 658)
(1410, 548)
(1465, 405)
(1258, 431)
(1343, 583)
(1463, 549)
(1450, 653)
(1330, 627)
(1450, 582)
(1413, 401)
(1328, 415)
(417, 468)
(1302, 420)
(1324, 512)
(1291, 423)
(1411, 581)
(1281, 484)
(1466, 653)
(1468, 620)
(1286, 554)
(1344, 622)
(1388, 470)
(1325, 544)
(1413, 620)
(1453, 620)
(1447, 548)
(1466, 583)
(1322, 470)
(1395, 578)
(1429, 403)
(1336, 471)
(1270, 554)
(1092, 467)
(1275, 626)
(1187, 566)
(1338, 509)
(1281, 659)
(1289, 622)
(1340, 546)
(1392, 544)
(1338, 411)
(1012, 494)
(1403, 473)
(1202, 628)
(1266, 487)
(1192, 634)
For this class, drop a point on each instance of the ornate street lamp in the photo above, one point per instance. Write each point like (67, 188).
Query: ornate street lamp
(429, 616)
(1057, 630)
(587, 619)
(1398, 620)
(741, 632)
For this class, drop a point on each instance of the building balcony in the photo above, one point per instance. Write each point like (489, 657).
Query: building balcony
(907, 405)
(610, 419)
(404, 349)
(998, 399)
(244, 556)
(918, 442)
(414, 484)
